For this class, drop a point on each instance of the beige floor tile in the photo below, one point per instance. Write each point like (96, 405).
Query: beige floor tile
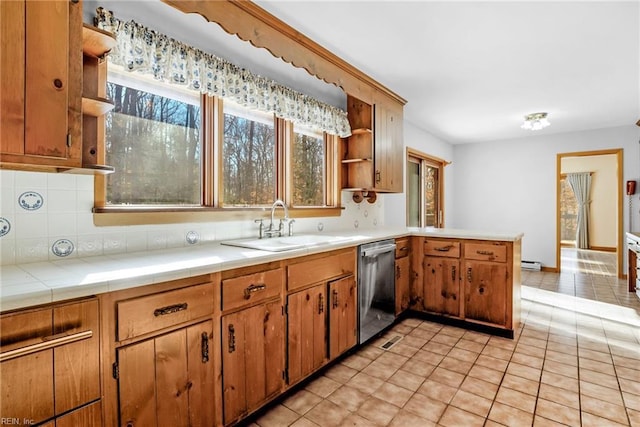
(340, 373)
(594, 365)
(406, 379)
(629, 386)
(348, 397)
(505, 343)
(470, 402)
(603, 409)
(598, 378)
(561, 381)
(425, 407)
(596, 355)
(625, 362)
(327, 414)
(402, 328)
(469, 345)
(462, 354)
(392, 359)
(277, 417)
(530, 351)
(559, 395)
(533, 342)
(477, 337)
(517, 399)
(634, 417)
(378, 411)
(524, 371)
(456, 365)
(539, 421)
(453, 331)
(428, 357)
(556, 356)
(455, 417)
(521, 384)
(493, 363)
(563, 348)
(403, 349)
(418, 367)
(355, 420)
(497, 352)
(528, 360)
(590, 420)
(371, 352)
(510, 416)
(445, 376)
(629, 374)
(422, 333)
(365, 383)
(486, 374)
(561, 368)
(303, 422)
(438, 391)
(600, 392)
(302, 401)
(438, 348)
(393, 394)
(356, 361)
(413, 341)
(380, 369)
(631, 401)
(323, 386)
(407, 419)
(556, 412)
(479, 387)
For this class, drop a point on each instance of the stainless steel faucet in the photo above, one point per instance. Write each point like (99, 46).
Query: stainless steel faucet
(270, 232)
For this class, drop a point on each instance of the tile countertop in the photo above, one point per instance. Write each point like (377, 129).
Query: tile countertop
(37, 283)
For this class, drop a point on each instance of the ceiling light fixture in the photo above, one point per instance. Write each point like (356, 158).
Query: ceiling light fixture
(535, 121)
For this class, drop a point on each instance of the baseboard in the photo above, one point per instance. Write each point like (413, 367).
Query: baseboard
(550, 269)
(603, 248)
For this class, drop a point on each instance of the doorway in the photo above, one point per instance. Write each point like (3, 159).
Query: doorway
(606, 226)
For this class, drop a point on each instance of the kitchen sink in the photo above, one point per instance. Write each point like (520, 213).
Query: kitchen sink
(286, 243)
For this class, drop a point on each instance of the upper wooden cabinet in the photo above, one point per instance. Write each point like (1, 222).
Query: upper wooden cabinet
(41, 83)
(372, 155)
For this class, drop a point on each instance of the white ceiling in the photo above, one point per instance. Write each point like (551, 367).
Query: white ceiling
(470, 71)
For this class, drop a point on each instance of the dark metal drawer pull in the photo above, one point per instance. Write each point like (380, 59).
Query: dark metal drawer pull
(232, 339)
(252, 289)
(162, 311)
(205, 347)
(444, 248)
(485, 253)
(320, 303)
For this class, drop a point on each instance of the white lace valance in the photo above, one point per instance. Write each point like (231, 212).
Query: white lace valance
(141, 49)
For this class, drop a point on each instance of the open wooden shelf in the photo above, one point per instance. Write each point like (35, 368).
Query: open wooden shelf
(96, 42)
(359, 131)
(96, 107)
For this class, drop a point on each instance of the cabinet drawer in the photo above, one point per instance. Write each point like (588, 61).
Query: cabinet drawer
(251, 288)
(320, 269)
(448, 248)
(402, 247)
(146, 314)
(496, 252)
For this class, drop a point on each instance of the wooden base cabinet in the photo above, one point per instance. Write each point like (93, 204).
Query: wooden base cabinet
(342, 315)
(168, 380)
(475, 281)
(49, 361)
(252, 358)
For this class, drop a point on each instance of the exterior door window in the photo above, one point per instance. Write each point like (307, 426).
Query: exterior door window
(424, 190)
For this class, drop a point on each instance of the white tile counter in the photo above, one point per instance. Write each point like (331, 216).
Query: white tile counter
(25, 285)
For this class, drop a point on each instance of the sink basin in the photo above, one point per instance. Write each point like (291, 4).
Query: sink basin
(286, 243)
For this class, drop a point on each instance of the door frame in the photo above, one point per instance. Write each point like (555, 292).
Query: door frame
(619, 229)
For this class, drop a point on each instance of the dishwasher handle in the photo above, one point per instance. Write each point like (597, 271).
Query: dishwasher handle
(379, 250)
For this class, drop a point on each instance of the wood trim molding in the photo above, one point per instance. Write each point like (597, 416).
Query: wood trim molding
(251, 23)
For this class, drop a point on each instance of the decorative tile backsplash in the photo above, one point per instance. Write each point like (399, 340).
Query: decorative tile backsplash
(47, 217)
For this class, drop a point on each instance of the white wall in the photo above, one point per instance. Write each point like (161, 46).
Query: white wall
(603, 221)
(418, 139)
(511, 185)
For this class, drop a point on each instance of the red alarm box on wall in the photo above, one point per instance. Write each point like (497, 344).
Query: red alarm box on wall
(631, 188)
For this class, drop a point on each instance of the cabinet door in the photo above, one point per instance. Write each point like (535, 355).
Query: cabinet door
(388, 148)
(403, 292)
(87, 416)
(252, 358)
(44, 103)
(307, 341)
(486, 291)
(162, 381)
(342, 315)
(442, 285)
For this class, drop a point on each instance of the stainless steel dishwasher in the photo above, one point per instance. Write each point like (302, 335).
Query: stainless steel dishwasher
(376, 287)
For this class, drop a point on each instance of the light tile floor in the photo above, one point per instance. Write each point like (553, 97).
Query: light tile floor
(575, 360)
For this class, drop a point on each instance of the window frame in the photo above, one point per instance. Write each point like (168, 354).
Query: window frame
(424, 160)
(212, 207)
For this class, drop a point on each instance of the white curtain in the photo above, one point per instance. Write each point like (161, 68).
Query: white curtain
(144, 50)
(581, 185)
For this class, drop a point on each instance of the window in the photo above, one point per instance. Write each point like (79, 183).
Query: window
(175, 150)
(308, 160)
(153, 141)
(568, 213)
(248, 157)
(424, 190)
